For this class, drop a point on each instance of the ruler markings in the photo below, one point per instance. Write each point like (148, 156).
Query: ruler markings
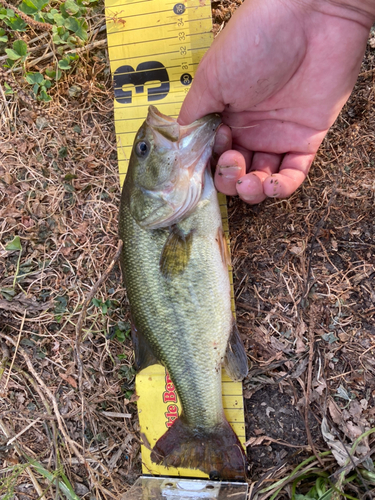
(112, 33)
(159, 40)
(144, 70)
(117, 120)
(147, 105)
(146, 55)
(147, 14)
(142, 41)
(116, 5)
(178, 28)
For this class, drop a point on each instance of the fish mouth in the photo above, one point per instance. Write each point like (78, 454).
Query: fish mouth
(194, 143)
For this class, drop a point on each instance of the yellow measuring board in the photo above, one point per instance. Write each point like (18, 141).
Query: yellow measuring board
(154, 48)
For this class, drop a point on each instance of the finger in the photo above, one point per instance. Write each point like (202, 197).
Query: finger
(199, 101)
(266, 162)
(230, 167)
(293, 172)
(223, 141)
(250, 187)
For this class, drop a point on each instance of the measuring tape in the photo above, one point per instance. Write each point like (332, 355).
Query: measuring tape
(154, 48)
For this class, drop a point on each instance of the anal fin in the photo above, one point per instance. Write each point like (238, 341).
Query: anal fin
(235, 360)
(143, 355)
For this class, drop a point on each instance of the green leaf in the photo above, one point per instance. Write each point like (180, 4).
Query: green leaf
(63, 152)
(71, 7)
(51, 73)
(120, 337)
(15, 244)
(36, 88)
(20, 47)
(14, 56)
(47, 84)
(15, 23)
(8, 293)
(61, 303)
(4, 13)
(32, 6)
(34, 78)
(43, 96)
(3, 38)
(59, 20)
(96, 302)
(78, 26)
(64, 64)
(8, 89)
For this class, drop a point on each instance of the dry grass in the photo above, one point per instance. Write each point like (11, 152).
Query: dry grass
(304, 282)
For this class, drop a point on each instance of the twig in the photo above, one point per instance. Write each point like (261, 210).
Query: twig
(15, 350)
(261, 311)
(31, 424)
(249, 442)
(49, 394)
(29, 20)
(77, 349)
(85, 305)
(309, 381)
(28, 469)
(321, 223)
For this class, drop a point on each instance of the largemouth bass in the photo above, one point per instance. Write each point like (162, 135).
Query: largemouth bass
(175, 266)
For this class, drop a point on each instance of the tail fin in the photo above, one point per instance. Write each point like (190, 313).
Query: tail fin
(218, 452)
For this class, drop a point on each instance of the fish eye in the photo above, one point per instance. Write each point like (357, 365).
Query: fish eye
(142, 149)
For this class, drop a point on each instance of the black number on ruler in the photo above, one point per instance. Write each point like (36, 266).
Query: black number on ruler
(180, 22)
(183, 50)
(179, 8)
(149, 71)
(186, 79)
(181, 36)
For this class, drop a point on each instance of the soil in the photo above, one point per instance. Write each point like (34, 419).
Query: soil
(304, 272)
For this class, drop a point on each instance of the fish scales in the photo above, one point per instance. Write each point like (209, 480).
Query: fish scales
(175, 270)
(187, 320)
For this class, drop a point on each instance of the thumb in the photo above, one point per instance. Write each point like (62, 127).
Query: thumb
(200, 100)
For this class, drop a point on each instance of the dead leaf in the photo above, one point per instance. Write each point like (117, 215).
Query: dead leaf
(351, 430)
(255, 441)
(300, 331)
(22, 304)
(340, 453)
(344, 337)
(355, 410)
(279, 346)
(69, 379)
(297, 250)
(335, 412)
(320, 386)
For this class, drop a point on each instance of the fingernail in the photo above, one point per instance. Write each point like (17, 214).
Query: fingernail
(229, 172)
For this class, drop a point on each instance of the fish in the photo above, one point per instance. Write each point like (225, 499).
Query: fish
(174, 263)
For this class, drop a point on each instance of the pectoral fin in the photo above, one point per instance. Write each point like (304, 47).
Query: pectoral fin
(235, 360)
(176, 253)
(143, 355)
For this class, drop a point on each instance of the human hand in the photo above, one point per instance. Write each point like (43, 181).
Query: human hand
(279, 73)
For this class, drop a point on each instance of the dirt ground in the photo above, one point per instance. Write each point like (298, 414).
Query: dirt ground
(304, 271)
